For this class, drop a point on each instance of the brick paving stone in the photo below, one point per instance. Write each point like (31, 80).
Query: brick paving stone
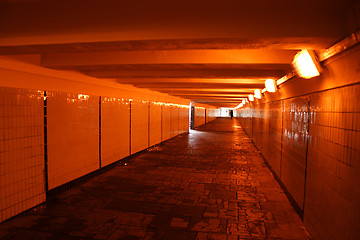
(208, 184)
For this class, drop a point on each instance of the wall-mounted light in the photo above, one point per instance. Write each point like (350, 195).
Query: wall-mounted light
(306, 64)
(270, 85)
(239, 106)
(251, 97)
(257, 94)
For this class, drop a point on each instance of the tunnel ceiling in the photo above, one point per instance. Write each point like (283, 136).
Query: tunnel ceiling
(207, 51)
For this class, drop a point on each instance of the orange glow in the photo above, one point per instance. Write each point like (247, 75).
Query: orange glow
(306, 64)
(257, 94)
(270, 85)
(251, 97)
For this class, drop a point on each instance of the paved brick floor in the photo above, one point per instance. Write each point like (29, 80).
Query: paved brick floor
(209, 184)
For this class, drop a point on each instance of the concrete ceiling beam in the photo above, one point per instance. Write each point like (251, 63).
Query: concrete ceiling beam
(191, 80)
(199, 85)
(295, 43)
(209, 56)
(188, 73)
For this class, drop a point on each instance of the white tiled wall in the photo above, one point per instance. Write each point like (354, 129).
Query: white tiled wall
(334, 155)
(184, 119)
(73, 136)
(139, 125)
(21, 150)
(174, 121)
(212, 113)
(315, 151)
(115, 129)
(155, 123)
(199, 116)
(166, 122)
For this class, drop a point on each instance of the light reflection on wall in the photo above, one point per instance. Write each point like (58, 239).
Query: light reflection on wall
(113, 99)
(170, 104)
(83, 97)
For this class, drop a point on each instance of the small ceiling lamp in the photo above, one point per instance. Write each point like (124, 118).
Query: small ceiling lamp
(270, 85)
(257, 94)
(306, 64)
(251, 97)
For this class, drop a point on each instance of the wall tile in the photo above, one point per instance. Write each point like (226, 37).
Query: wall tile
(333, 173)
(332, 164)
(166, 122)
(184, 119)
(275, 132)
(175, 121)
(294, 141)
(199, 116)
(73, 136)
(139, 125)
(155, 123)
(115, 129)
(21, 150)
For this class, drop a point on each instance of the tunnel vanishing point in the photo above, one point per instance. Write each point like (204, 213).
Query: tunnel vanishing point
(115, 119)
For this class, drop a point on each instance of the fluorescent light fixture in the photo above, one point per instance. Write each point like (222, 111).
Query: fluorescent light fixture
(239, 106)
(257, 94)
(270, 85)
(251, 97)
(306, 64)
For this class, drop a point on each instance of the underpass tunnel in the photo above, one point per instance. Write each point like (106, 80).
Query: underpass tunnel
(211, 120)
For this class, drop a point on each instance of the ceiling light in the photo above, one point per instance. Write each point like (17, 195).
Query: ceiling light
(306, 64)
(243, 101)
(270, 85)
(251, 97)
(257, 94)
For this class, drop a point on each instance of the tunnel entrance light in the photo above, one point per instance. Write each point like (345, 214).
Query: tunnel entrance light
(251, 97)
(257, 94)
(306, 64)
(270, 85)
